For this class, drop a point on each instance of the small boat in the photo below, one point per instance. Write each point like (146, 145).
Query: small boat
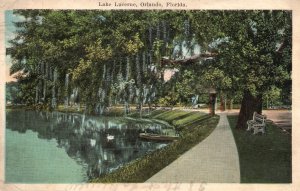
(157, 137)
(110, 137)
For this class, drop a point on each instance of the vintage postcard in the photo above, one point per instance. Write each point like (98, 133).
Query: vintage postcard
(149, 95)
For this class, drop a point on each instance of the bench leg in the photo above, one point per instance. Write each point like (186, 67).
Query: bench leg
(259, 129)
(249, 127)
(255, 130)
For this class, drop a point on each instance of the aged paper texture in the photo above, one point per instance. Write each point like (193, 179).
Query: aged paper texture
(293, 5)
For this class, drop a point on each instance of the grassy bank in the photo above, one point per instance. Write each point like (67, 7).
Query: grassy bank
(263, 158)
(192, 131)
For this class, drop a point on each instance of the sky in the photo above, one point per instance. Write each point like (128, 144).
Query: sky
(9, 34)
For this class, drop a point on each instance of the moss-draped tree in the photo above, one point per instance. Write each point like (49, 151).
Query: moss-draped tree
(119, 57)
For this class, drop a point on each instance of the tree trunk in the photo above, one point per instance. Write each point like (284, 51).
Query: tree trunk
(44, 91)
(212, 101)
(37, 94)
(141, 109)
(222, 103)
(249, 105)
(231, 103)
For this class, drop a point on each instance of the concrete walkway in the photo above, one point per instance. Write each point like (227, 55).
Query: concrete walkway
(281, 118)
(214, 160)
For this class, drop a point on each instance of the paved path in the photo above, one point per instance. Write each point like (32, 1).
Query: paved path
(281, 118)
(214, 160)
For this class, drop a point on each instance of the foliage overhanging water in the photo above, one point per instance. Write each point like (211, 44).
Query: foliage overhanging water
(64, 148)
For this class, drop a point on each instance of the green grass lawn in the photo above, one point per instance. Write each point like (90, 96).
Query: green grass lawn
(144, 168)
(154, 113)
(263, 158)
(191, 118)
(171, 115)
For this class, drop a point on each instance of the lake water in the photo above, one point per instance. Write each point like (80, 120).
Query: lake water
(54, 147)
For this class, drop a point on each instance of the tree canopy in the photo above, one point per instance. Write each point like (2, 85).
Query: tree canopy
(101, 58)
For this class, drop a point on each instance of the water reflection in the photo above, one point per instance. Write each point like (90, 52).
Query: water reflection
(85, 138)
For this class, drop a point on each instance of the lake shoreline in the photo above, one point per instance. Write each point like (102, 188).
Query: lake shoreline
(140, 169)
(191, 133)
(84, 129)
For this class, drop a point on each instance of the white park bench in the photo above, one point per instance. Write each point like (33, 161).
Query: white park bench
(258, 123)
